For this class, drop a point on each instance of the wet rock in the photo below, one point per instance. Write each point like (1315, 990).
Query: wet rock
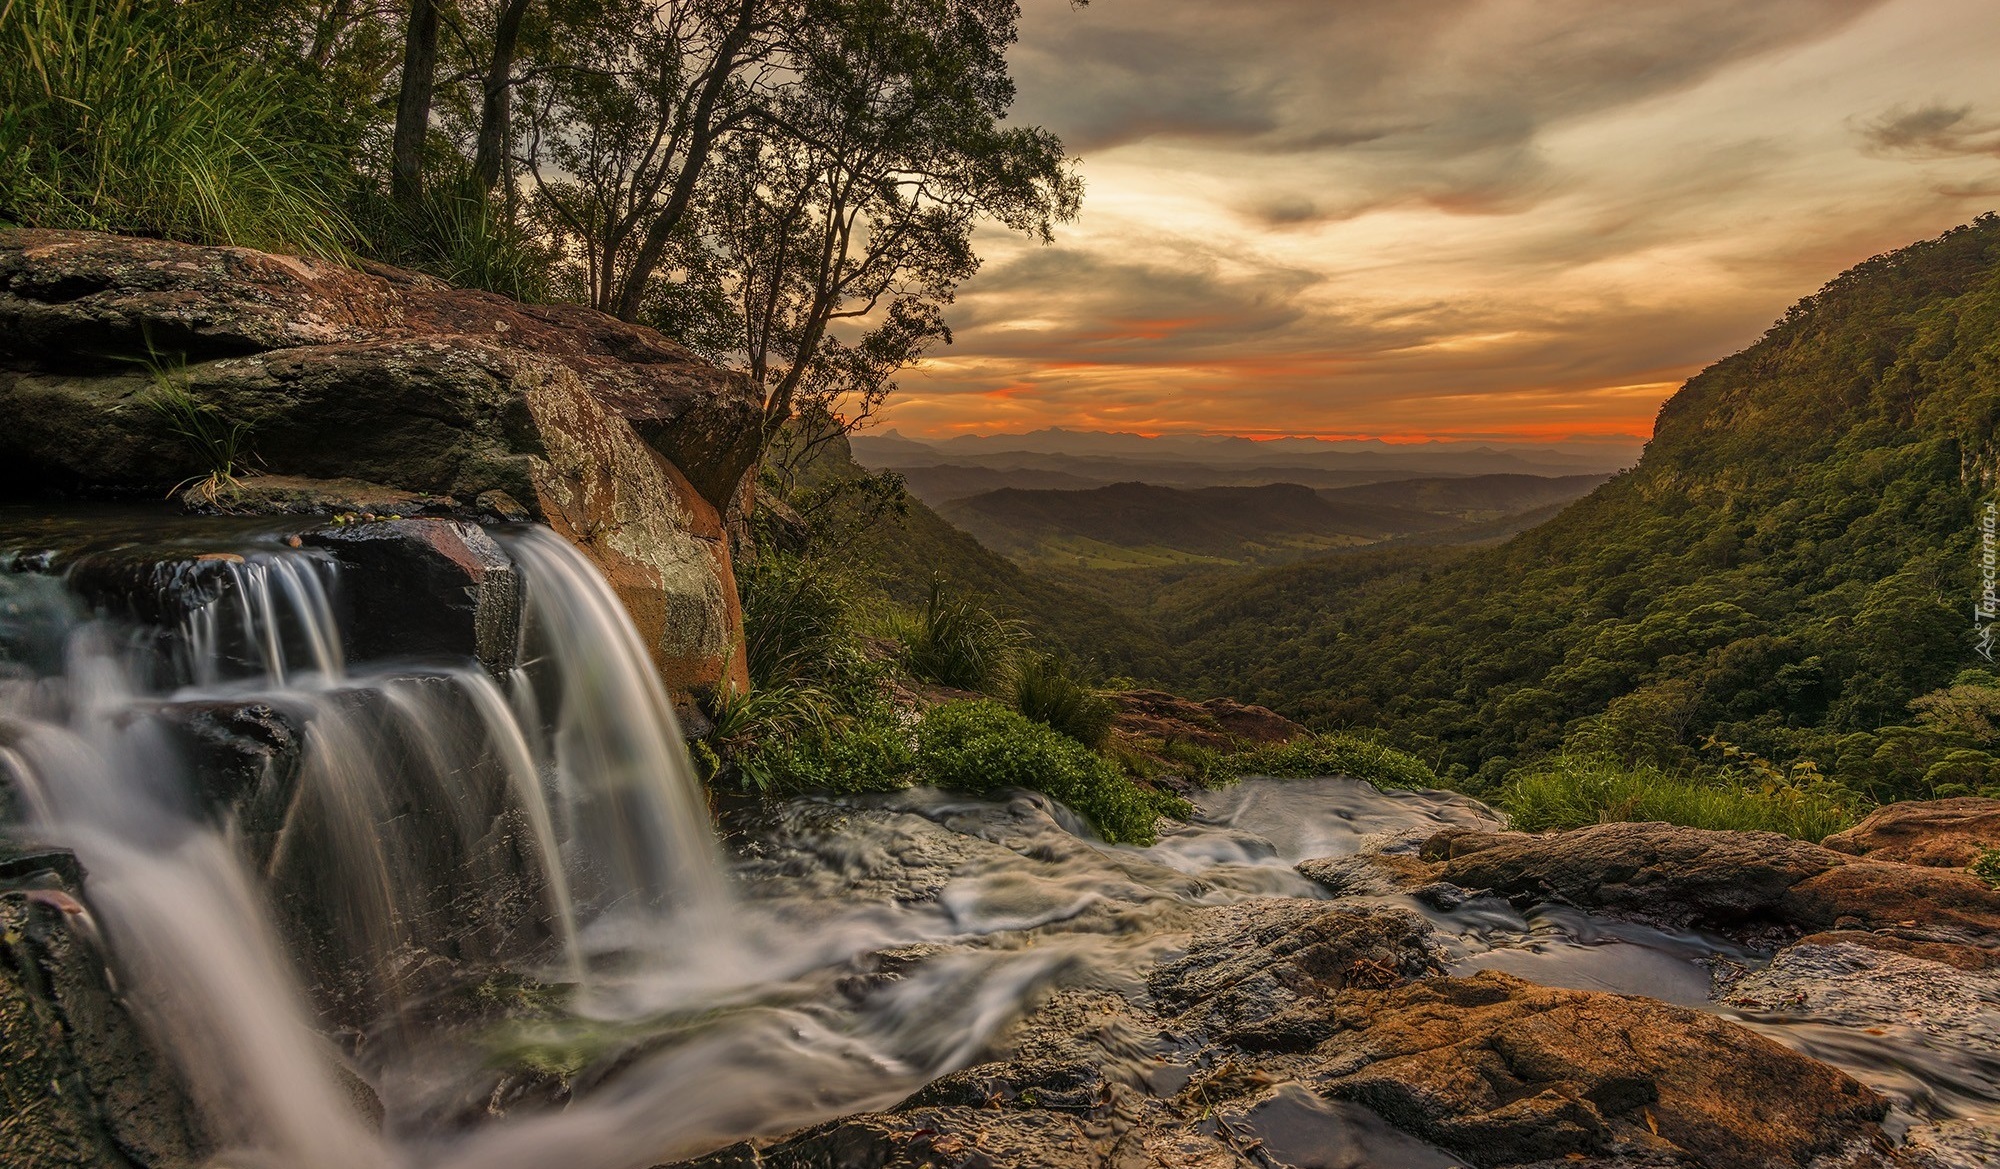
(1662, 871)
(622, 441)
(1261, 976)
(298, 495)
(244, 756)
(1504, 1072)
(427, 587)
(82, 1088)
(1742, 882)
(1946, 834)
(1863, 987)
(927, 1138)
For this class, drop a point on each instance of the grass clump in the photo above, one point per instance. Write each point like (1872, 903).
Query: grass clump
(1340, 753)
(1047, 690)
(1986, 866)
(219, 444)
(982, 746)
(122, 115)
(1570, 791)
(954, 640)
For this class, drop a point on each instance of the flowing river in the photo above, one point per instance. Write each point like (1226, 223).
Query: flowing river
(495, 907)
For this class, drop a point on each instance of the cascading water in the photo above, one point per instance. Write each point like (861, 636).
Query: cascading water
(498, 900)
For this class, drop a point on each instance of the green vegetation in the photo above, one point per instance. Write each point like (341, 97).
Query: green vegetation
(217, 443)
(147, 117)
(1788, 572)
(1047, 690)
(983, 746)
(953, 640)
(1570, 791)
(1360, 756)
(1986, 866)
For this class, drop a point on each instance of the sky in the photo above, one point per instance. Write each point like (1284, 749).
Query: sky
(1501, 220)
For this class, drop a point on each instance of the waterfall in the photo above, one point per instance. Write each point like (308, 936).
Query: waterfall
(403, 825)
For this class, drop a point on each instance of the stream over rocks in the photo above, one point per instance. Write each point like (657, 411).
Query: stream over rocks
(454, 900)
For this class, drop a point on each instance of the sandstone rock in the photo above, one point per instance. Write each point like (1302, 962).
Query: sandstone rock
(1732, 881)
(1261, 976)
(426, 588)
(619, 439)
(1218, 722)
(1946, 834)
(297, 495)
(1505, 1073)
(1660, 871)
(81, 1087)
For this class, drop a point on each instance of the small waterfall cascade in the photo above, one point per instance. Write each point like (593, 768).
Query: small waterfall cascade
(281, 843)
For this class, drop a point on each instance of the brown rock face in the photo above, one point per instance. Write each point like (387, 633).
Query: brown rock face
(1731, 880)
(1506, 1072)
(1218, 722)
(619, 439)
(1379, 1065)
(1946, 834)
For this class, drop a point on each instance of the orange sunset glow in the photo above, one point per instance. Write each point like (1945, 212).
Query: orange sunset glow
(1468, 219)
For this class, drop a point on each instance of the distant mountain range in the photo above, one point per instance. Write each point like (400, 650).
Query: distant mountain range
(1144, 525)
(1229, 460)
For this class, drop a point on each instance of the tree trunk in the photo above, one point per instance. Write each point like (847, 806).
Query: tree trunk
(701, 138)
(413, 104)
(497, 99)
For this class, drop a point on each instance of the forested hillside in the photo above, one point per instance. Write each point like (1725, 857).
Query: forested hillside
(1788, 569)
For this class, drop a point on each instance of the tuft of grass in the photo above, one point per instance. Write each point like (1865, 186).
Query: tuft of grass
(1570, 791)
(982, 746)
(956, 641)
(1986, 866)
(457, 234)
(1047, 690)
(220, 444)
(126, 115)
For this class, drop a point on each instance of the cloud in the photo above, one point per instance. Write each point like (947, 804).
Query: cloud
(1456, 217)
(1440, 103)
(1932, 130)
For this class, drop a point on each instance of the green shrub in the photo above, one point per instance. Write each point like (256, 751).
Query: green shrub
(1570, 791)
(1986, 866)
(956, 641)
(856, 755)
(798, 621)
(1343, 753)
(123, 115)
(458, 235)
(1047, 690)
(984, 747)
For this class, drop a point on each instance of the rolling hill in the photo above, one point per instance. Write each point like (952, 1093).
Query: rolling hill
(1141, 525)
(1790, 566)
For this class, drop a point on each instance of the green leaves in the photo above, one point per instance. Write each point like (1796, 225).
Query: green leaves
(117, 115)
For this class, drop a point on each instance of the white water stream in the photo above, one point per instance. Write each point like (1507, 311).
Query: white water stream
(472, 884)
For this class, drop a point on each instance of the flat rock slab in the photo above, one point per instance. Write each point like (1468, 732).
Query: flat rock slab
(1946, 834)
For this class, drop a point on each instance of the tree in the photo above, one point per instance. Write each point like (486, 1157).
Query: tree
(621, 132)
(850, 197)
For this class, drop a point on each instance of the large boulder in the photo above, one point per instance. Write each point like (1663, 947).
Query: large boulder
(620, 440)
(81, 1086)
(1946, 834)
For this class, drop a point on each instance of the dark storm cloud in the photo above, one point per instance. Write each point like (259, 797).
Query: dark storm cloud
(1440, 102)
(1933, 130)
